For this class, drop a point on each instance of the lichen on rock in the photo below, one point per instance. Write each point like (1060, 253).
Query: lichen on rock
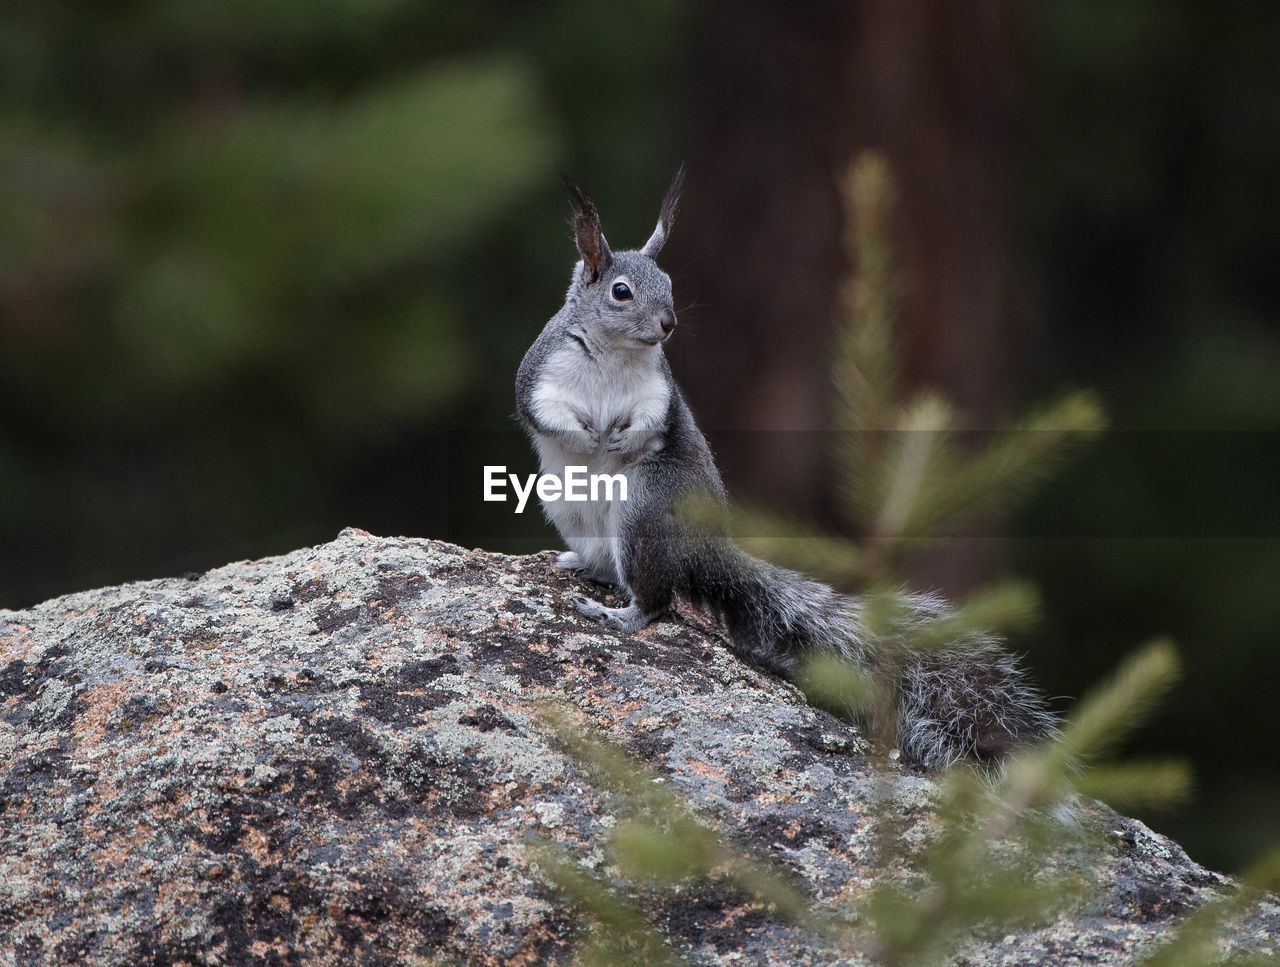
(335, 757)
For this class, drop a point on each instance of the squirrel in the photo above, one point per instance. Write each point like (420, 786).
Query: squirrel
(595, 390)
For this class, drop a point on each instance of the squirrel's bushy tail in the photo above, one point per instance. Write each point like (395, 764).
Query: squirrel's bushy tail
(968, 699)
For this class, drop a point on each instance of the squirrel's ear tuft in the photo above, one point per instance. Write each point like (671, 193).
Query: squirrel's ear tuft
(587, 234)
(667, 217)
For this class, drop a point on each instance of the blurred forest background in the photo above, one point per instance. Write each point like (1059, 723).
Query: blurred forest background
(267, 269)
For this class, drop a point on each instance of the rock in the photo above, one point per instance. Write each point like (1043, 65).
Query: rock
(334, 757)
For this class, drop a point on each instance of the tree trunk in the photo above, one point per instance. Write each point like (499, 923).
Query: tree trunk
(787, 95)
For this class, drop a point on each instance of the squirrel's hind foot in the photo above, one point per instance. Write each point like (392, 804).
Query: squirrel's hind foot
(630, 619)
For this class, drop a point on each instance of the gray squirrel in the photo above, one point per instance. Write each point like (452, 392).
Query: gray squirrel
(595, 390)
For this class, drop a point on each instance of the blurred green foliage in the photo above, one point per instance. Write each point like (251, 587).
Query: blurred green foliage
(255, 257)
(1150, 138)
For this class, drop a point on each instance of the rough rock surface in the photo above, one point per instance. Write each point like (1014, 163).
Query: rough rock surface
(332, 757)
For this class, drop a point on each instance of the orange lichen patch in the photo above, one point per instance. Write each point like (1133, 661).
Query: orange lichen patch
(256, 843)
(702, 769)
(261, 949)
(17, 644)
(100, 704)
(280, 902)
(620, 710)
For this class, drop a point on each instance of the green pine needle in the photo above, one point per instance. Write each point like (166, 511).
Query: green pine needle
(1137, 785)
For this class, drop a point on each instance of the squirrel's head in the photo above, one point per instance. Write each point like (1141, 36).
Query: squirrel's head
(623, 296)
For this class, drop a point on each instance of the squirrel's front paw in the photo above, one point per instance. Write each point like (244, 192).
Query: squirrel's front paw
(579, 435)
(585, 440)
(620, 438)
(630, 438)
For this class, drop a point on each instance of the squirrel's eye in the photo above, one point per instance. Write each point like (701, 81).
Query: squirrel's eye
(621, 291)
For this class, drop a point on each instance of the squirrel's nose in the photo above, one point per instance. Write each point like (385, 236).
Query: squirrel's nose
(668, 321)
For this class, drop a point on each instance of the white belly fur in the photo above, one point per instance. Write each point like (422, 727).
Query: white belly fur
(591, 527)
(624, 389)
